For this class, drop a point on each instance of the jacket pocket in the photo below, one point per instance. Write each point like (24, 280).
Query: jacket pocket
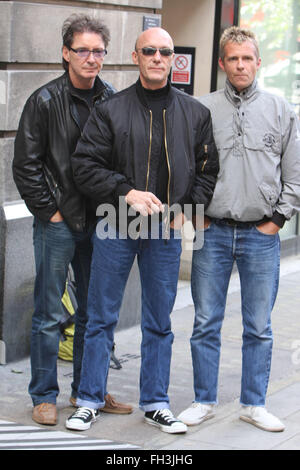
(269, 193)
(266, 141)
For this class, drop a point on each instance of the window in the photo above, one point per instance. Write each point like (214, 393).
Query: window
(226, 15)
(277, 26)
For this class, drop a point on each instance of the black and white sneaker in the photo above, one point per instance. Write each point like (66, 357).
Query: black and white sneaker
(165, 420)
(82, 419)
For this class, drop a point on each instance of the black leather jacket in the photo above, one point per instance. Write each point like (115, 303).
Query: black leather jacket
(113, 154)
(48, 132)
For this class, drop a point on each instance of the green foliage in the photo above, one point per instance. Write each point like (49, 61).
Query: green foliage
(274, 22)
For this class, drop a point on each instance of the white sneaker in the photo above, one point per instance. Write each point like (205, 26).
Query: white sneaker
(196, 414)
(260, 417)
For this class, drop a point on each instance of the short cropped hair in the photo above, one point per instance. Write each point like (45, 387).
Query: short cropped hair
(78, 23)
(238, 35)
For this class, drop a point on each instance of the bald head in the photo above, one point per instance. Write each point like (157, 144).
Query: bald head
(153, 34)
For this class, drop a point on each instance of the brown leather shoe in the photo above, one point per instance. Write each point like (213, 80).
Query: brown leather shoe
(45, 413)
(73, 402)
(112, 406)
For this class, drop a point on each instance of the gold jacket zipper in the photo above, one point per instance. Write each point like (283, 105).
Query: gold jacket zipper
(168, 164)
(206, 154)
(149, 152)
(169, 171)
(148, 167)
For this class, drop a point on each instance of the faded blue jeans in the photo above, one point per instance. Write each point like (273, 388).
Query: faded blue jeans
(257, 256)
(55, 247)
(158, 262)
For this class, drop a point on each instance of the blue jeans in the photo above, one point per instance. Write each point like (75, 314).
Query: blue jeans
(257, 257)
(159, 267)
(55, 247)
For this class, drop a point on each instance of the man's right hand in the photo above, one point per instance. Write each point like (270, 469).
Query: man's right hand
(57, 217)
(144, 202)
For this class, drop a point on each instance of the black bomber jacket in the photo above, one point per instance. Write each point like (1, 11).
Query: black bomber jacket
(48, 132)
(113, 154)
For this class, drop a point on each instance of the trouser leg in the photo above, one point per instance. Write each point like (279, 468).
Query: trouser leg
(111, 263)
(258, 265)
(53, 249)
(159, 267)
(211, 271)
(81, 264)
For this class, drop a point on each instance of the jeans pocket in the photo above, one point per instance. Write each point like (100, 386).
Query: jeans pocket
(263, 233)
(208, 227)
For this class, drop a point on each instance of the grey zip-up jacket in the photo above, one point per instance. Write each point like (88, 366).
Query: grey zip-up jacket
(258, 138)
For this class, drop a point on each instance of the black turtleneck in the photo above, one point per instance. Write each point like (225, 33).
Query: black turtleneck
(158, 177)
(157, 101)
(83, 100)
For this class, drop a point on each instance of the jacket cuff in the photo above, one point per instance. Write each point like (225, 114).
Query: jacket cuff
(122, 189)
(278, 219)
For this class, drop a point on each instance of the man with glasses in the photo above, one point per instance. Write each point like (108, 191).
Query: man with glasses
(50, 126)
(148, 147)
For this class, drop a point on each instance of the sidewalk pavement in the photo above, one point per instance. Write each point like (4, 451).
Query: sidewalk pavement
(225, 431)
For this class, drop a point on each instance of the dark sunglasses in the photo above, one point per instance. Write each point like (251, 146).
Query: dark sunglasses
(164, 51)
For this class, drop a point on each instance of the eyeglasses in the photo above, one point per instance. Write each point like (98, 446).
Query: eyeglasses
(84, 53)
(164, 51)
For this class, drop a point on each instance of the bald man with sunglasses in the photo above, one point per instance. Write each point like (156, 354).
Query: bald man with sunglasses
(147, 148)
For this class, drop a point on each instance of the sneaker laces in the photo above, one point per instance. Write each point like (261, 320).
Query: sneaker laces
(166, 414)
(83, 412)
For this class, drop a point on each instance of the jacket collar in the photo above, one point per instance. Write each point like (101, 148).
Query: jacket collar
(142, 98)
(247, 94)
(99, 85)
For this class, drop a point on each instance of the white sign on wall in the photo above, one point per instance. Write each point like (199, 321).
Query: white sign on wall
(181, 69)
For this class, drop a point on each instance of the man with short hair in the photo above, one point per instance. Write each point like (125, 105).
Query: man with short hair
(151, 145)
(258, 189)
(50, 126)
